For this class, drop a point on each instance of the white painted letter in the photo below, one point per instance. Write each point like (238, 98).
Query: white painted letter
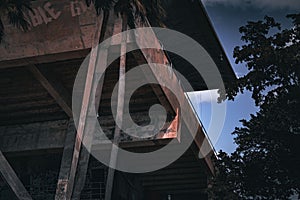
(44, 16)
(35, 17)
(51, 11)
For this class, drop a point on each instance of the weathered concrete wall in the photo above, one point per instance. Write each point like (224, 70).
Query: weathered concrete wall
(56, 26)
(52, 134)
(35, 136)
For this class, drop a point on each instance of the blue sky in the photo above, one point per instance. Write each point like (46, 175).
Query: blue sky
(227, 16)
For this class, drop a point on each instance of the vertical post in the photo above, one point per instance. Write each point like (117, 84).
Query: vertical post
(12, 179)
(66, 162)
(111, 28)
(88, 137)
(69, 184)
(119, 114)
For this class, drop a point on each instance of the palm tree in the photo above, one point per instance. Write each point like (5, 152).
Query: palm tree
(152, 9)
(14, 11)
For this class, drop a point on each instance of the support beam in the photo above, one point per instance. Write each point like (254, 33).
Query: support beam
(108, 28)
(88, 137)
(119, 112)
(66, 162)
(149, 39)
(84, 109)
(54, 87)
(12, 179)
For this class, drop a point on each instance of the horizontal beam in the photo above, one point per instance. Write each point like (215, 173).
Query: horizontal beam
(51, 135)
(33, 136)
(174, 182)
(60, 57)
(185, 191)
(49, 58)
(170, 187)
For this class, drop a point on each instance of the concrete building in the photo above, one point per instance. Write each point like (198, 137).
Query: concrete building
(42, 156)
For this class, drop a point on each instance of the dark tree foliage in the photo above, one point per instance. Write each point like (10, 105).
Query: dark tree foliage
(152, 9)
(226, 183)
(266, 163)
(13, 10)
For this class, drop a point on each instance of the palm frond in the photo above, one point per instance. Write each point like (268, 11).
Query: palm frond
(14, 11)
(100, 5)
(152, 9)
(155, 11)
(140, 9)
(88, 2)
(125, 7)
